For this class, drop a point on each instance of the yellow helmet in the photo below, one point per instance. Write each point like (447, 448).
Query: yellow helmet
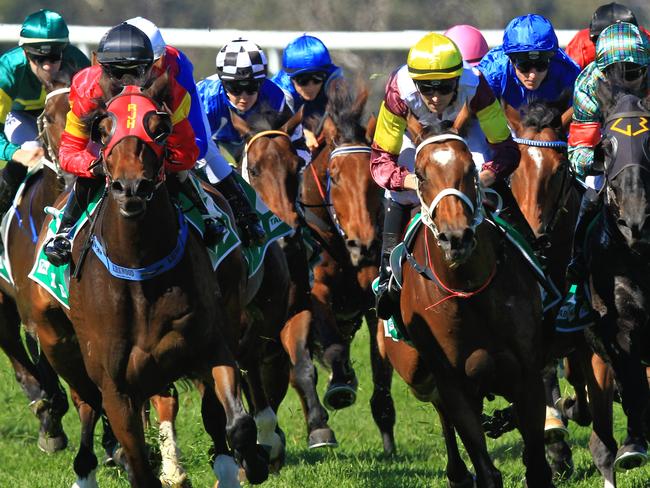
(434, 57)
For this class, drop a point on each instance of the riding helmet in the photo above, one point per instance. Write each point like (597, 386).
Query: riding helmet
(470, 41)
(125, 45)
(44, 33)
(241, 60)
(434, 57)
(530, 33)
(306, 54)
(609, 14)
(153, 33)
(622, 43)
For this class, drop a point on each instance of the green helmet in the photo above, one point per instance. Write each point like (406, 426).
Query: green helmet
(43, 33)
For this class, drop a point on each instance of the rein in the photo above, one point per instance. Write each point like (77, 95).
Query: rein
(536, 143)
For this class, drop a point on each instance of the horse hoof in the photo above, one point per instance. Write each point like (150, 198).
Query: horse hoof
(468, 482)
(256, 465)
(560, 460)
(554, 428)
(322, 438)
(630, 456)
(568, 407)
(51, 445)
(179, 481)
(339, 396)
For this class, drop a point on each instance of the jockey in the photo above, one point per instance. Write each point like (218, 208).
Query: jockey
(240, 86)
(529, 66)
(470, 42)
(307, 70)
(434, 86)
(43, 52)
(125, 57)
(582, 48)
(220, 172)
(623, 54)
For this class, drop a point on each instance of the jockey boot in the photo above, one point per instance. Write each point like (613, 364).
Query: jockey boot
(12, 176)
(247, 220)
(577, 268)
(214, 230)
(395, 218)
(511, 213)
(59, 248)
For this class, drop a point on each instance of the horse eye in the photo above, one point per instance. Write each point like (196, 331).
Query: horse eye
(253, 171)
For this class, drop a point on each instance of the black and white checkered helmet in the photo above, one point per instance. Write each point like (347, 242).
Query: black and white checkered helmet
(241, 60)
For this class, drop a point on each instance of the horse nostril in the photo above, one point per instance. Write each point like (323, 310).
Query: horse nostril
(117, 187)
(443, 237)
(144, 188)
(468, 235)
(353, 243)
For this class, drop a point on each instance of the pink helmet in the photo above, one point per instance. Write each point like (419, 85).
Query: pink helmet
(470, 41)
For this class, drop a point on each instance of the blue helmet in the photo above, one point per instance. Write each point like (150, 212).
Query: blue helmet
(527, 33)
(305, 54)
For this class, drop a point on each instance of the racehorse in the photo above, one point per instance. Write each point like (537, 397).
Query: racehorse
(40, 383)
(119, 349)
(343, 208)
(618, 247)
(472, 311)
(272, 166)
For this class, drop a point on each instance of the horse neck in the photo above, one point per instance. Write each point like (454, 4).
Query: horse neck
(138, 242)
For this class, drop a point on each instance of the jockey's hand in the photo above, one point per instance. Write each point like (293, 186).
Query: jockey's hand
(487, 177)
(411, 182)
(29, 157)
(310, 140)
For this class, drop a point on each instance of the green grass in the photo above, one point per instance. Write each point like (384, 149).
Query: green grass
(356, 463)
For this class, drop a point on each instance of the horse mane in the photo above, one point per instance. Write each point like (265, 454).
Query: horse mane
(266, 119)
(540, 115)
(611, 90)
(345, 107)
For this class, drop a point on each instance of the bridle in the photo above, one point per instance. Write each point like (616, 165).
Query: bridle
(428, 211)
(52, 161)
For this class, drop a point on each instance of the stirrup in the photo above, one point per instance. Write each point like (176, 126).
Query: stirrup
(214, 232)
(58, 249)
(252, 232)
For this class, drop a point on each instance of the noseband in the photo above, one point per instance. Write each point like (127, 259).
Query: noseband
(428, 210)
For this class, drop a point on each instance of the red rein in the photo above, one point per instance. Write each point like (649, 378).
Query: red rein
(452, 293)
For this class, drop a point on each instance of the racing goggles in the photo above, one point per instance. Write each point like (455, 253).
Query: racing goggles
(136, 71)
(632, 71)
(307, 78)
(442, 87)
(41, 59)
(237, 88)
(536, 60)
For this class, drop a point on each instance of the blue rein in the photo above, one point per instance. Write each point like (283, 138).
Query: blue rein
(148, 272)
(535, 143)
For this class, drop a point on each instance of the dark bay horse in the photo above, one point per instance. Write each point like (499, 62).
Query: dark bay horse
(342, 206)
(473, 312)
(38, 380)
(272, 166)
(618, 251)
(123, 341)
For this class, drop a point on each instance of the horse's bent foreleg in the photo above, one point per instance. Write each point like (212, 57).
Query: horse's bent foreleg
(166, 406)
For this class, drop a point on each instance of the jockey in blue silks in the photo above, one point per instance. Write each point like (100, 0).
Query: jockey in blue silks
(307, 70)
(529, 66)
(240, 85)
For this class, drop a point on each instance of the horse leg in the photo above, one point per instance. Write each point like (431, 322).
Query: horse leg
(342, 385)
(600, 385)
(85, 461)
(295, 340)
(47, 399)
(166, 406)
(529, 405)
(577, 409)
(458, 476)
(557, 449)
(381, 402)
(125, 417)
(241, 430)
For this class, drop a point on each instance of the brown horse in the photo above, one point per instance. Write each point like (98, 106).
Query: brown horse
(119, 349)
(342, 206)
(40, 383)
(544, 188)
(472, 310)
(272, 166)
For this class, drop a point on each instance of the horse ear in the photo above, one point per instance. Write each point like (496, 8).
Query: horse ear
(93, 58)
(290, 125)
(159, 88)
(513, 116)
(567, 117)
(362, 97)
(329, 130)
(415, 129)
(370, 129)
(240, 125)
(461, 119)
(604, 93)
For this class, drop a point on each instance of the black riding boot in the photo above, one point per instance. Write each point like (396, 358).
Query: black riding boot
(511, 212)
(12, 176)
(59, 249)
(214, 230)
(246, 217)
(395, 219)
(577, 268)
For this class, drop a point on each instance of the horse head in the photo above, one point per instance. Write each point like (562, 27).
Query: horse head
(542, 182)
(270, 161)
(132, 130)
(354, 197)
(624, 155)
(444, 168)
